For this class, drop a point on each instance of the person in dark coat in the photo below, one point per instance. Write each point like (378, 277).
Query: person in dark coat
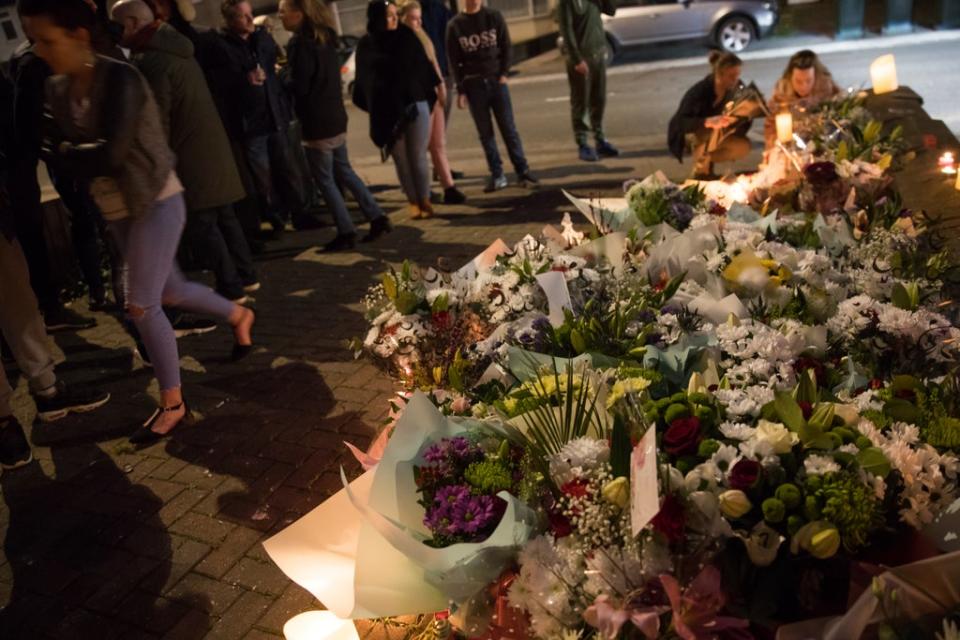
(205, 164)
(256, 111)
(396, 85)
(312, 76)
(701, 113)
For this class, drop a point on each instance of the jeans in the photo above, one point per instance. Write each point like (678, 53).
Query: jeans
(485, 95)
(588, 98)
(149, 247)
(409, 154)
(217, 235)
(21, 325)
(331, 167)
(276, 174)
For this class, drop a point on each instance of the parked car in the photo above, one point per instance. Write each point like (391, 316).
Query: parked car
(347, 50)
(732, 25)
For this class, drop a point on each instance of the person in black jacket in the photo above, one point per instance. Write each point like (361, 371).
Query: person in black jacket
(313, 77)
(396, 83)
(257, 112)
(478, 50)
(701, 113)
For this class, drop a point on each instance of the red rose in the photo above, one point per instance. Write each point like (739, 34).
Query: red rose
(683, 436)
(744, 475)
(441, 319)
(559, 525)
(670, 519)
(575, 488)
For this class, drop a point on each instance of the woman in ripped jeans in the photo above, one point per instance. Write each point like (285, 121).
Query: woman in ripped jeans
(105, 127)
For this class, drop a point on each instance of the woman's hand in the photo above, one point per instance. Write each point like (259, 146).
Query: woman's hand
(719, 122)
(442, 94)
(461, 101)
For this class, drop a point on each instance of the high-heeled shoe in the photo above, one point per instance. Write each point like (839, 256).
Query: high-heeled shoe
(146, 435)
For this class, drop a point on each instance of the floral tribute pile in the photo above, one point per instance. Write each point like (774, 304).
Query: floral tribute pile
(711, 410)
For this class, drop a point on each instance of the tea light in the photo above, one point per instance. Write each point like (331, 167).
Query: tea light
(319, 625)
(785, 127)
(947, 163)
(883, 74)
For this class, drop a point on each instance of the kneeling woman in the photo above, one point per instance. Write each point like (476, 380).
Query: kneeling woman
(805, 84)
(106, 129)
(701, 112)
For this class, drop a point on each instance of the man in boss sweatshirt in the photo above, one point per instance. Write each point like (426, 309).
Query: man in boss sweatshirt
(478, 52)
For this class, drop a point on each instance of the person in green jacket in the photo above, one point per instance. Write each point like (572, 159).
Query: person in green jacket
(584, 44)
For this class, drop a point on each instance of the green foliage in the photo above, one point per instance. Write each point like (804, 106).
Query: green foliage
(850, 505)
(488, 477)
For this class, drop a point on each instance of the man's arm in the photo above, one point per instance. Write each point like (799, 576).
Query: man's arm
(570, 44)
(503, 41)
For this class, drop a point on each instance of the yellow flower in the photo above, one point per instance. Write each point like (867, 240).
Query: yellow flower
(820, 538)
(625, 387)
(617, 492)
(750, 272)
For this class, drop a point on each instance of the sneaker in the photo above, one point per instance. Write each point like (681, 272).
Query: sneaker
(435, 198)
(453, 195)
(66, 401)
(251, 287)
(606, 150)
(457, 175)
(63, 319)
(378, 227)
(14, 449)
(587, 154)
(187, 326)
(526, 179)
(495, 184)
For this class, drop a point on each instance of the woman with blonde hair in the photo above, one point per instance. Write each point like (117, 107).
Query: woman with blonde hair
(411, 14)
(701, 113)
(805, 83)
(313, 77)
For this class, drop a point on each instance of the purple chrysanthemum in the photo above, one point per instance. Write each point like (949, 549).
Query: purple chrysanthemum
(475, 514)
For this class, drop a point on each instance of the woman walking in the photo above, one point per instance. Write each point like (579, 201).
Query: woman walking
(313, 77)
(106, 129)
(396, 85)
(411, 15)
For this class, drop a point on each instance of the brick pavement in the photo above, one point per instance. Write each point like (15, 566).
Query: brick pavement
(104, 541)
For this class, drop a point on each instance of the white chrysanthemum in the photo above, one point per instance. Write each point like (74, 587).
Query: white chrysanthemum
(817, 465)
(577, 458)
(737, 430)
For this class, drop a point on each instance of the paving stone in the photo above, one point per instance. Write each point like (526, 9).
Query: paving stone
(261, 577)
(295, 599)
(200, 592)
(240, 617)
(217, 563)
(256, 634)
(180, 505)
(192, 626)
(151, 613)
(203, 528)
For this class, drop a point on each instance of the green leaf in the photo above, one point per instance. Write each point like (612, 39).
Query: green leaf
(843, 153)
(407, 302)
(789, 412)
(873, 459)
(390, 286)
(441, 303)
(577, 342)
(905, 297)
(904, 383)
(822, 417)
(822, 441)
(806, 391)
(902, 411)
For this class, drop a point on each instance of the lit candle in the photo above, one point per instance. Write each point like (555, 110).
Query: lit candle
(947, 164)
(883, 74)
(319, 625)
(957, 186)
(785, 127)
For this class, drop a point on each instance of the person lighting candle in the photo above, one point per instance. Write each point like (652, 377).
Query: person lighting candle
(805, 83)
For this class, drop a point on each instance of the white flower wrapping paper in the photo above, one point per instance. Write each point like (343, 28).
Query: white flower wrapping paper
(373, 562)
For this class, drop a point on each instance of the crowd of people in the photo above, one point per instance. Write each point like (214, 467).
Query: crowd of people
(167, 142)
